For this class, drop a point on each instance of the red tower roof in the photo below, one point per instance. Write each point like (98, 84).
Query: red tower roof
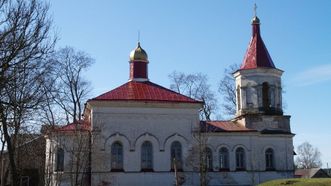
(143, 91)
(257, 54)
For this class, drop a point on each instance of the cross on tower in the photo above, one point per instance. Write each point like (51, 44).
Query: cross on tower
(138, 36)
(255, 7)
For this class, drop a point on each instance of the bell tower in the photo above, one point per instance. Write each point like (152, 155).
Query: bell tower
(259, 87)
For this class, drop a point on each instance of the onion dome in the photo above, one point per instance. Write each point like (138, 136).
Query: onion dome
(138, 64)
(255, 20)
(138, 54)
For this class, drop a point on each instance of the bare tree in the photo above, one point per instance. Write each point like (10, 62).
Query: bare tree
(308, 156)
(200, 155)
(22, 96)
(50, 115)
(79, 158)
(65, 104)
(24, 44)
(71, 89)
(74, 140)
(227, 90)
(65, 99)
(195, 86)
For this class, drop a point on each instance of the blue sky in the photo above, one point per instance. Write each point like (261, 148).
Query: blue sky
(207, 36)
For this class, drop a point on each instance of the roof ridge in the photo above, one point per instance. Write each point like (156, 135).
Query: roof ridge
(144, 91)
(172, 91)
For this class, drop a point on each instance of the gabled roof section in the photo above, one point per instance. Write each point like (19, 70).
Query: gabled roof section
(257, 54)
(144, 91)
(223, 126)
(311, 173)
(75, 126)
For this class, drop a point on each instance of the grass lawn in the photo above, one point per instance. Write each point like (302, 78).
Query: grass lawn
(299, 182)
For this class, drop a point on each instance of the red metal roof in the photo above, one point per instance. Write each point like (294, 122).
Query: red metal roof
(257, 54)
(144, 91)
(224, 126)
(75, 126)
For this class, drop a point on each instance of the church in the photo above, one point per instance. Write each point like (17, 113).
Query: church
(141, 133)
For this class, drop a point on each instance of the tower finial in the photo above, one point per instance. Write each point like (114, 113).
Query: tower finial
(255, 7)
(255, 19)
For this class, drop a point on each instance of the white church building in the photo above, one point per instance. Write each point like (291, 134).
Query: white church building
(141, 133)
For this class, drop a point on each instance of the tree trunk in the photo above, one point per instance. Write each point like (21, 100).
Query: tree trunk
(10, 148)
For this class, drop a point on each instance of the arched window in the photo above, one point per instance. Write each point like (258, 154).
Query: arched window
(176, 156)
(59, 159)
(249, 96)
(224, 159)
(272, 96)
(209, 159)
(265, 96)
(240, 159)
(269, 159)
(117, 156)
(238, 98)
(147, 156)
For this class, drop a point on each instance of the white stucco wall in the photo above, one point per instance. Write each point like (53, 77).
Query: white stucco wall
(161, 124)
(255, 145)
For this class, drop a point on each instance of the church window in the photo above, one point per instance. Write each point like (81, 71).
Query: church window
(238, 98)
(240, 159)
(209, 159)
(272, 96)
(59, 159)
(147, 156)
(117, 156)
(269, 159)
(224, 158)
(176, 156)
(279, 96)
(249, 94)
(265, 96)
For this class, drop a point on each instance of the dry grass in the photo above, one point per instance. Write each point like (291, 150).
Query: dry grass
(299, 182)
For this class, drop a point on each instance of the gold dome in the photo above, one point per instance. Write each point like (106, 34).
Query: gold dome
(138, 54)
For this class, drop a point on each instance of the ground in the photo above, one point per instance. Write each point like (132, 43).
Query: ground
(299, 182)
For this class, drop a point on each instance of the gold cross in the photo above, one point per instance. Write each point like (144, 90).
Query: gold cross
(138, 36)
